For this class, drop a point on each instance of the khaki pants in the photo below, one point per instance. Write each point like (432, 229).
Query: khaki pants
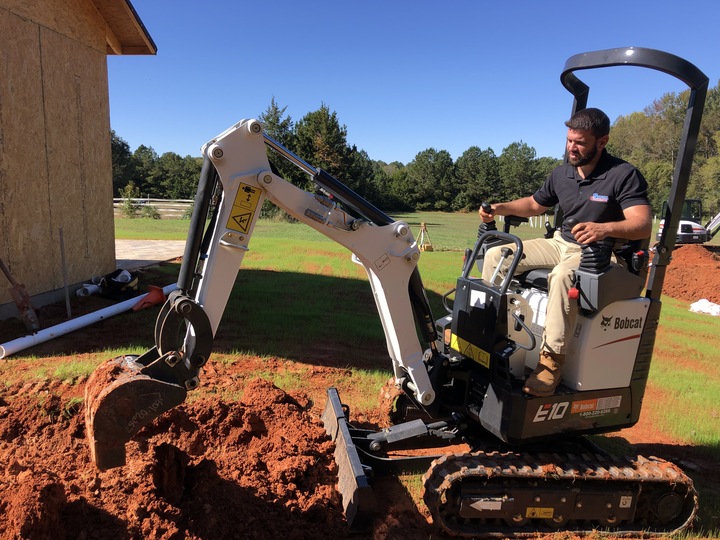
(564, 258)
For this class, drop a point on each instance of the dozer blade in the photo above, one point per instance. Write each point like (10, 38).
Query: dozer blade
(119, 400)
(357, 495)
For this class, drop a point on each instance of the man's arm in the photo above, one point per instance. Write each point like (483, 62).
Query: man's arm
(525, 207)
(637, 225)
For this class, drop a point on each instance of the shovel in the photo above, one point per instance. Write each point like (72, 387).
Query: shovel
(22, 301)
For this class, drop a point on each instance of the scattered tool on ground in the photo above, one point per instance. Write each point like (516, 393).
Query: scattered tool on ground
(22, 300)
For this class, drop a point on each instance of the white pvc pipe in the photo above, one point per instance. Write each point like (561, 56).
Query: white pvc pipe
(11, 347)
(87, 289)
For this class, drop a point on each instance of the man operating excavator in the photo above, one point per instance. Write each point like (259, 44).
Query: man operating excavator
(601, 196)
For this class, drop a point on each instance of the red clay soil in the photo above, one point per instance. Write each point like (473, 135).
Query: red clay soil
(694, 273)
(258, 466)
(261, 467)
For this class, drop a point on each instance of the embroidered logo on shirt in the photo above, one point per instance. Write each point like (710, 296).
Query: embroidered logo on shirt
(599, 198)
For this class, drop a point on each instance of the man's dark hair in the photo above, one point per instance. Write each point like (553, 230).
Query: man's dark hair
(593, 120)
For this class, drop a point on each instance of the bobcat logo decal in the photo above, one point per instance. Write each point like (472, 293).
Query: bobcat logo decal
(605, 322)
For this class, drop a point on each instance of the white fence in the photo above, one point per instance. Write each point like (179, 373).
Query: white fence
(167, 208)
(180, 208)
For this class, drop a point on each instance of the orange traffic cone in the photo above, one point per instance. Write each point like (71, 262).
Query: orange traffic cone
(154, 296)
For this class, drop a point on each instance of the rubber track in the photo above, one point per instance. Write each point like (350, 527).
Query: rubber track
(647, 475)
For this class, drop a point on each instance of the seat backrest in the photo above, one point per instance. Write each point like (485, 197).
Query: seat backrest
(536, 278)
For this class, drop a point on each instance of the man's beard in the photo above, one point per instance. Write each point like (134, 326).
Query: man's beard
(584, 159)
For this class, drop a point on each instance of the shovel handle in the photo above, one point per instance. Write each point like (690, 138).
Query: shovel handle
(8, 274)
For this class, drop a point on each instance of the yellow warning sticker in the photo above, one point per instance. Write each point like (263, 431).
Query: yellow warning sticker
(244, 208)
(542, 513)
(481, 356)
(240, 222)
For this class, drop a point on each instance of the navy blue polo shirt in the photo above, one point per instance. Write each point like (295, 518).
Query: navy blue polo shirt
(613, 186)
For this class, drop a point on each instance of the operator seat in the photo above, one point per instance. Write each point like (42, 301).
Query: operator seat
(537, 278)
(631, 255)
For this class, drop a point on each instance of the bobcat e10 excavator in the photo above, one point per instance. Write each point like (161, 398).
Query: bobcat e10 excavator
(530, 467)
(690, 230)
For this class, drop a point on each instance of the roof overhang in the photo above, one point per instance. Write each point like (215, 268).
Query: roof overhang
(125, 32)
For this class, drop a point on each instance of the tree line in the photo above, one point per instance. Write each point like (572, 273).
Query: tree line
(650, 140)
(143, 173)
(433, 180)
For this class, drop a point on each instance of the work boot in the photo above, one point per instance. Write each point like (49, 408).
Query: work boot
(546, 377)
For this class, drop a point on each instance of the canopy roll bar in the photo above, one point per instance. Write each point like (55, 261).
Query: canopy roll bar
(697, 81)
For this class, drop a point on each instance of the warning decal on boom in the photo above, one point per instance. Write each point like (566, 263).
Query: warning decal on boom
(244, 208)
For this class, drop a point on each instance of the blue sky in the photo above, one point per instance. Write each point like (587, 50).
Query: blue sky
(402, 76)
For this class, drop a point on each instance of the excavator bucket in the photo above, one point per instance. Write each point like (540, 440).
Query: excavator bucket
(119, 401)
(128, 392)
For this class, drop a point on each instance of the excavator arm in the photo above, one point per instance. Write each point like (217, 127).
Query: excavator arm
(129, 392)
(713, 227)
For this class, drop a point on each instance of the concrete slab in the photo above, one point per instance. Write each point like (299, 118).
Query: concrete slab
(134, 254)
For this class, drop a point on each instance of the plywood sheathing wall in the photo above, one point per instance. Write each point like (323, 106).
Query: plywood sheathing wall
(23, 171)
(55, 164)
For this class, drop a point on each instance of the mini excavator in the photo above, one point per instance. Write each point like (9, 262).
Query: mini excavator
(530, 466)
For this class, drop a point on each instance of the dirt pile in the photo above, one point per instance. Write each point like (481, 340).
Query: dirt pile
(260, 467)
(693, 274)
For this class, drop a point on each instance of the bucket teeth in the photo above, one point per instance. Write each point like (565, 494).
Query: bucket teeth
(119, 401)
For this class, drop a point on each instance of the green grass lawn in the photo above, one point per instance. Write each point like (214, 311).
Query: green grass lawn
(151, 229)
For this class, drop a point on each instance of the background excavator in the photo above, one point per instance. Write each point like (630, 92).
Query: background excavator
(528, 465)
(690, 229)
